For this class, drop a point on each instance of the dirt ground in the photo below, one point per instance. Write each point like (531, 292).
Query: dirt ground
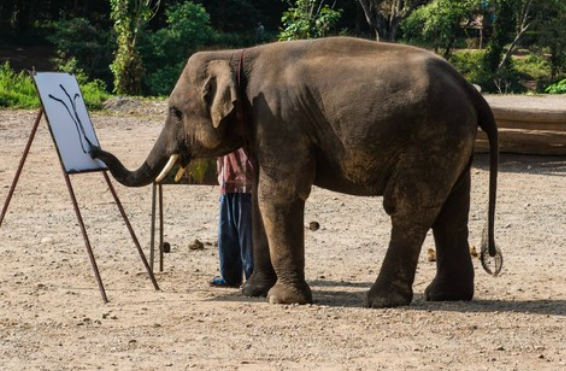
(52, 316)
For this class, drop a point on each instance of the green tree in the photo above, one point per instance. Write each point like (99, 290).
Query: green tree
(440, 23)
(78, 42)
(166, 51)
(496, 71)
(385, 16)
(552, 36)
(514, 19)
(129, 18)
(308, 19)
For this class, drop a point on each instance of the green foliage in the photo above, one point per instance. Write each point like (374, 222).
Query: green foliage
(130, 16)
(80, 43)
(552, 35)
(166, 51)
(532, 66)
(17, 90)
(94, 91)
(526, 73)
(439, 24)
(468, 63)
(162, 81)
(503, 25)
(149, 49)
(557, 88)
(307, 19)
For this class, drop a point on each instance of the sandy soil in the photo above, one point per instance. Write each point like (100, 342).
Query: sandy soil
(52, 316)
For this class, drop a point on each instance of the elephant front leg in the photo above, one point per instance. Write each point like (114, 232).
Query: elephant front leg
(283, 221)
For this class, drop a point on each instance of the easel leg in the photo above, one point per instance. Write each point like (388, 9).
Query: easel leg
(132, 233)
(85, 237)
(160, 228)
(156, 189)
(21, 166)
(152, 234)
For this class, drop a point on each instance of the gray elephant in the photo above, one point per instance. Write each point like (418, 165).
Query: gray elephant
(345, 114)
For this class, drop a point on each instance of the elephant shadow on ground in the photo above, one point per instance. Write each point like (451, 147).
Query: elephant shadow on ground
(541, 307)
(325, 292)
(554, 165)
(351, 295)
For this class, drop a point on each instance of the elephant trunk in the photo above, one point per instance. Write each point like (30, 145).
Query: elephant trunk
(158, 163)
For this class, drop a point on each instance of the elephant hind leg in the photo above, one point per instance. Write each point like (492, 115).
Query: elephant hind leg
(412, 201)
(455, 272)
(393, 286)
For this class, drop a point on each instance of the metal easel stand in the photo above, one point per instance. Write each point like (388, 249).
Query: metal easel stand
(78, 213)
(156, 197)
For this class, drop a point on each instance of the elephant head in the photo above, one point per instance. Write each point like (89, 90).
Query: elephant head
(203, 122)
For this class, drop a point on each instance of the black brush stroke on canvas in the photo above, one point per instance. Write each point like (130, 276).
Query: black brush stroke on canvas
(76, 119)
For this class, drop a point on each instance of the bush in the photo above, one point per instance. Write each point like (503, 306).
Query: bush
(533, 66)
(534, 70)
(469, 64)
(514, 77)
(557, 88)
(17, 90)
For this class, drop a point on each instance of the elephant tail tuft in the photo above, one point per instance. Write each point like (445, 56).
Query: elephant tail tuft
(486, 121)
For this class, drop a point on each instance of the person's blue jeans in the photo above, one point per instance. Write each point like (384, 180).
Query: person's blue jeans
(235, 250)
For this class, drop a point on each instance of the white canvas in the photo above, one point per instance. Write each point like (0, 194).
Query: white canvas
(68, 120)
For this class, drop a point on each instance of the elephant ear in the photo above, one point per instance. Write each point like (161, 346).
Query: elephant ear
(219, 91)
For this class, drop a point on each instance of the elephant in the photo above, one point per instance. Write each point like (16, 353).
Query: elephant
(349, 115)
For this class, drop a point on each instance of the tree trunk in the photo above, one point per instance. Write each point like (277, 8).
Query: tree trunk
(386, 25)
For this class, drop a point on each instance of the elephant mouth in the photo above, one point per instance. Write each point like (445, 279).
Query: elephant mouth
(173, 160)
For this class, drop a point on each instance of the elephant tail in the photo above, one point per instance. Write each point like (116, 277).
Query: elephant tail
(486, 121)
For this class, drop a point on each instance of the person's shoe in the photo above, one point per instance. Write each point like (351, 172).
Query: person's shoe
(219, 282)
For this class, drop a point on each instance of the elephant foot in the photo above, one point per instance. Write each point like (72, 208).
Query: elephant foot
(449, 290)
(388, 296)
(258, 285)
(285, 294)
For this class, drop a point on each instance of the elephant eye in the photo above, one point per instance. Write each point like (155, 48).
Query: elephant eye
(176, 113)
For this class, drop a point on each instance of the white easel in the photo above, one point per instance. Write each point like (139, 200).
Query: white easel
(68, 119)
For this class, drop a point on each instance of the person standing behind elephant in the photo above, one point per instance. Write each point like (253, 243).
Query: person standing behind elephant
(235, 252)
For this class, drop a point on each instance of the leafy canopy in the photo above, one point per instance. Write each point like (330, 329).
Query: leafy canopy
(308, 19)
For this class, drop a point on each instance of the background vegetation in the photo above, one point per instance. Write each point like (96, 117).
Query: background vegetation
(138, 47)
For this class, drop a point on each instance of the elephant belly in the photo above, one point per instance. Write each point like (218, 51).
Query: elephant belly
(359, 178)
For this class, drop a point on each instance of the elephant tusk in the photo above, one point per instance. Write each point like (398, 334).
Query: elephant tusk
(172, 160)
(180, 174)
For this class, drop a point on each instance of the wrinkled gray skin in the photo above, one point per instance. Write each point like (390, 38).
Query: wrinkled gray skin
(349, 115)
